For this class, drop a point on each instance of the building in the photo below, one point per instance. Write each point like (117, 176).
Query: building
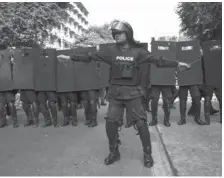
(75, 24)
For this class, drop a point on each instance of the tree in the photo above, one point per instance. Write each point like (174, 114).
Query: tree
(95, 35)
(27, 23)
(201, 20)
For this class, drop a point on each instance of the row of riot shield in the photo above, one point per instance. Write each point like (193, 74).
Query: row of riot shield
(189, 52)
(38, 69)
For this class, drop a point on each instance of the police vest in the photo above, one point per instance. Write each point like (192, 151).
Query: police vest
(122, 73)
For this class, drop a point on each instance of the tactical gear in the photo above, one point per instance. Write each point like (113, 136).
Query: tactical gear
(28, 112)
(146, 143)
(121, 26)
(212, 63)
(189, 51)
(112, 134)
(163, 76)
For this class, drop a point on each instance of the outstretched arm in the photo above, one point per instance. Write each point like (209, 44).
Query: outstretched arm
(147, 57)
(103, 56)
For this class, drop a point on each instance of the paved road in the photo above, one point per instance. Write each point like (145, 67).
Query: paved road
(80, 151)
(70, 151)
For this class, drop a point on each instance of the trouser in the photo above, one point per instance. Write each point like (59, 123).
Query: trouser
(167, 95)
(7, 98)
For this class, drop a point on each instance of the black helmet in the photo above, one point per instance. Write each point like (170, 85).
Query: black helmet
(121, 26)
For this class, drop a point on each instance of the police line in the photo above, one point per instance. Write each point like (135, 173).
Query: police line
(38, 69)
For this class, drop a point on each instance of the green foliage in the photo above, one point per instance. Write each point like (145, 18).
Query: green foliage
(201, 20)
(94, 36)
(25, 23)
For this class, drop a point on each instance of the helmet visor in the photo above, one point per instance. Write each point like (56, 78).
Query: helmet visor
(118, 26)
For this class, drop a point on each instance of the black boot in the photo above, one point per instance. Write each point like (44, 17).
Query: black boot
(55, 122)
(146, 143)
(36, 122)
(207, 107)
(93, 115)
(3, 121)
(65, 123)
(182, 121)
(87, 122)
(53, 109)
(153, 122)
(93, 122)
(35, 111)
(154, 107)
(199, 121)
(28, 112)
(112, 134)
(74, 121)
(29, 122)
(166, 109)
(14, 114)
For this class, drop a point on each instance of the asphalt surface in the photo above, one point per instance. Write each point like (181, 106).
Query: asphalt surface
(80, 151)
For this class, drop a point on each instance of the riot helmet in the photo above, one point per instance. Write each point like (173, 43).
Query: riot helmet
(118, 26)
(121, 26)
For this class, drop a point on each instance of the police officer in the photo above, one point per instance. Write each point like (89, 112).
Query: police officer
(212, 111)
(67, 98)
(89, 100)
(167, 95)
(8, 98)
(125, 89)
(45, 99)
(30, 107)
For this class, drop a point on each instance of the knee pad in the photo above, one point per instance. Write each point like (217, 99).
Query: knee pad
(140, 123)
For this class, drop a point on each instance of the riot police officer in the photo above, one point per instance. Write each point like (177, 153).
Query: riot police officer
(8, 98)
(125, 90)
(212, 111)
(90, 100)
(167, 95)
(67, 98)
(50, 98)
(30, 107)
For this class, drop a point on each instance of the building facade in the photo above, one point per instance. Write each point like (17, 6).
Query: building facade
(75, 24)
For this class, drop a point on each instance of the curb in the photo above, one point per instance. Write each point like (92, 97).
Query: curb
(164, 166)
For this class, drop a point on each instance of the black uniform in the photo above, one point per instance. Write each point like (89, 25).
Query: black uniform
(125, 91)
(8, 98)
(167, 96)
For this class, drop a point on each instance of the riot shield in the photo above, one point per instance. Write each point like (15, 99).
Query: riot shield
(65, 73)
(212, 56)
(45, 70)
(23, 68)
(86, 74)
(163, 76)
(189, 52)
(5, 70)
